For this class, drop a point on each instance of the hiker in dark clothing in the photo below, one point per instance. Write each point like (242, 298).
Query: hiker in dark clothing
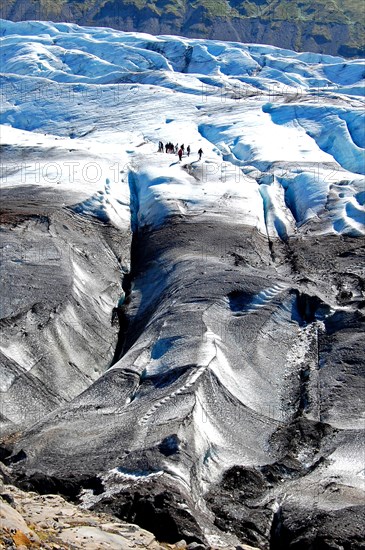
(180, 153)
(188, 150)
(182, 148)
(200, 152)
(160, 147)
(176, 148)
(167, 147)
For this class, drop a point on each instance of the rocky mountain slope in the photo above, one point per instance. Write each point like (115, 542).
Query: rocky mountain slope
(334, 27)
(182, 341)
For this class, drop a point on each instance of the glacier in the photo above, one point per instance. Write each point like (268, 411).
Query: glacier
(182, 342)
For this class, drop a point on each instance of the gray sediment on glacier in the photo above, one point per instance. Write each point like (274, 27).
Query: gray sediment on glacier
(233, 364)
(61, 275)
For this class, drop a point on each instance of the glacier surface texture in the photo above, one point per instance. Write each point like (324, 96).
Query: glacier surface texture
(182, 342)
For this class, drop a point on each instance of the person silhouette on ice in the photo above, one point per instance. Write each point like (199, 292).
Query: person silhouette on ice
(180, 153)
(200, 152)
(188, 150)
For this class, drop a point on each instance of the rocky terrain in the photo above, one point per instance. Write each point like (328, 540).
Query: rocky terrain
(49, 522)
(182, 341)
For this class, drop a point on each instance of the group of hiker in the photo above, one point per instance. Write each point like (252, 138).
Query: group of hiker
(175, 149)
